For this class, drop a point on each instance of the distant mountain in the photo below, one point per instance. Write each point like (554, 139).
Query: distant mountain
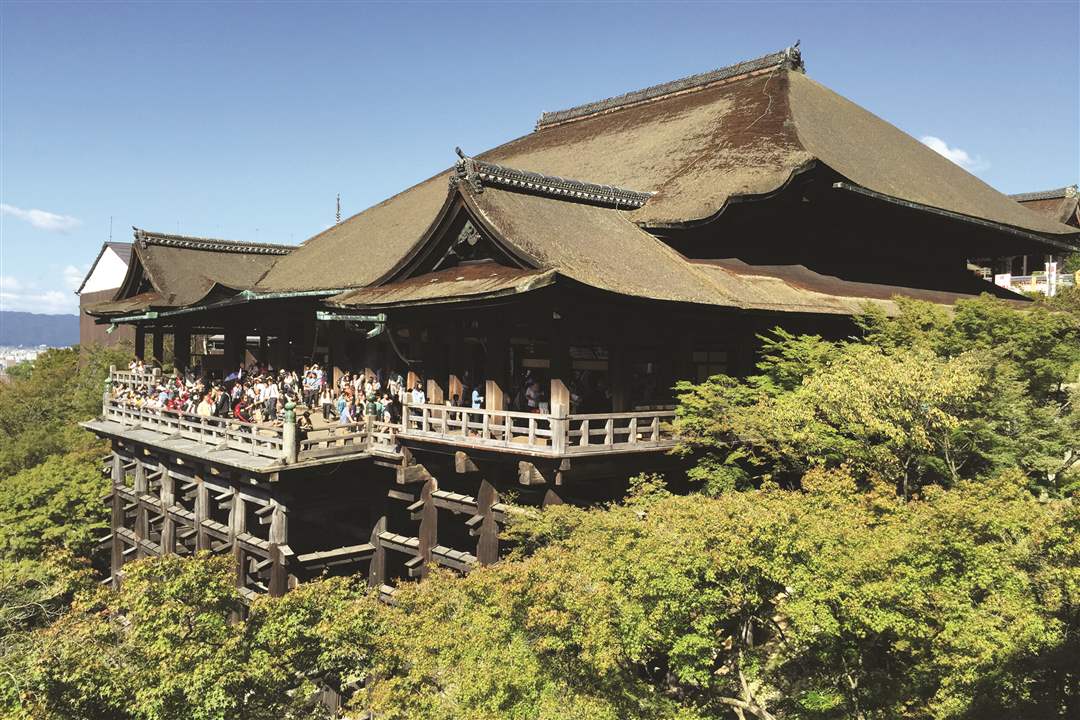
(31, 329)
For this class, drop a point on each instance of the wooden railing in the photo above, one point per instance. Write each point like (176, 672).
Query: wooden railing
(468, 426)
(533, 433)
(620, 431)
(218, 433)
(134, 380)
(363, 436)
(541, 433)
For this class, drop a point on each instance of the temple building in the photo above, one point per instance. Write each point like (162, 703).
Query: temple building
(619, 247)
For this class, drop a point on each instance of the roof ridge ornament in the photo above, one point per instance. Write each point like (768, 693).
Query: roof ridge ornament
(478, 173)
(788, 59)
(145, 238)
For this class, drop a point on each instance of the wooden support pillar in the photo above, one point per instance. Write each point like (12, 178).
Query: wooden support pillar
(117, 555)
(159, 346)
(455, 385)
(168, 525)
(620, 373)
(142, 515)
(339, 364)
(237, 526)
(559, 395)
(487, 547)
(264, 349)
(182, 347)
(202, 512)
(429, 525)
(235, 340)
(495, 369)
(279, 537)
(377, 568)
(435, 368)
(140, 342)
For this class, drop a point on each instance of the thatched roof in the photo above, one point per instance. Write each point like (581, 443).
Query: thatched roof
(689, 147)
(172, 271)
(599, 247)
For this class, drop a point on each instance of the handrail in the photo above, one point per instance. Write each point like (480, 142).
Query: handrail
(540, 433)
(213, 431)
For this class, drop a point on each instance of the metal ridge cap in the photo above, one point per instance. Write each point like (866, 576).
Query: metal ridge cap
(789, 57)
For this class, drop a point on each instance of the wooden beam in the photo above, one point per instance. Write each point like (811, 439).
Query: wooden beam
(463, 463)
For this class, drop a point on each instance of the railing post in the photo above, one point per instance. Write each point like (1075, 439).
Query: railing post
(288, 432)
(560, 429)
(369, 430)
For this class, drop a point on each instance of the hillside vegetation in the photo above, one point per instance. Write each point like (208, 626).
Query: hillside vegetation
(885, 527)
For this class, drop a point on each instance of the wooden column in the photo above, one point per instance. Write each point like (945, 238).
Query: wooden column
(559, 350)
(620, 373)
(182, 347)
(377, 568)
(279, 578)
(237, 526)
(168, 525)
(435, 367)
(339, 364)
(487, 547)
(455, 348)
(429, 524)
(202, 512)
(117, 555)
(159, 346)
(235, 347)
(264, 349)
(142, 515)
(140, 342)
(495, 368)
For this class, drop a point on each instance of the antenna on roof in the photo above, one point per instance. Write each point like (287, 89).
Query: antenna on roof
(338, 207)
(110, 228)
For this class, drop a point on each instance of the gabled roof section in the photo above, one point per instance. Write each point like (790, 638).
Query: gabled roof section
(1062, 204)
(174, 271)
(1057, 193)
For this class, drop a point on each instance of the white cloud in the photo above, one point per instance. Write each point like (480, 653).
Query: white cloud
(958, 155)
(73, 277)
(27, 297)
(42, 219)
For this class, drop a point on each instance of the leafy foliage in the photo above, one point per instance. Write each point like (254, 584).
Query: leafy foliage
(926, 397)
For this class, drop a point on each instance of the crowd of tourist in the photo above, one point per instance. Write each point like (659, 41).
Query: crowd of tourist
(258, 394)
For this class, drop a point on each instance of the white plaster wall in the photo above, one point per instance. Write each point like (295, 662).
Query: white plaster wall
(108, 273)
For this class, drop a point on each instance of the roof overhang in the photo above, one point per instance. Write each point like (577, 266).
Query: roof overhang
(1035, 238)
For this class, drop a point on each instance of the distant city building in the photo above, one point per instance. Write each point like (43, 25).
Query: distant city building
(1039, 272)
(101, 283)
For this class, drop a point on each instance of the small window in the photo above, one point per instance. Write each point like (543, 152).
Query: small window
(708, 362)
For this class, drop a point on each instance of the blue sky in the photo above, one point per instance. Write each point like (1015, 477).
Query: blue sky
(244, 120)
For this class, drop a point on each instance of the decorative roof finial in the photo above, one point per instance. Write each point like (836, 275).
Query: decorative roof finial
(465, 169)
(338, 209)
